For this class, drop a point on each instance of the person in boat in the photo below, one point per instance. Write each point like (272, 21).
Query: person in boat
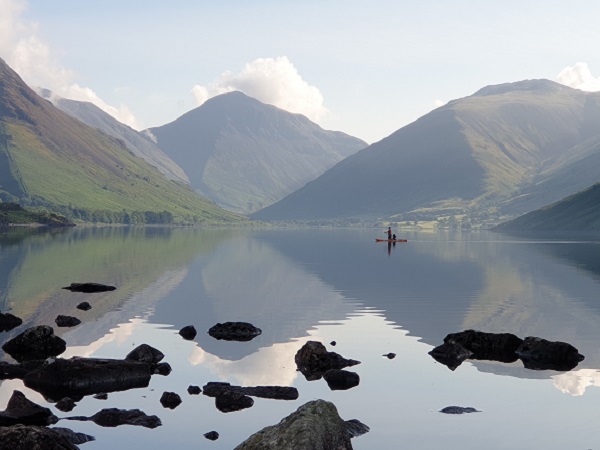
(389, 233)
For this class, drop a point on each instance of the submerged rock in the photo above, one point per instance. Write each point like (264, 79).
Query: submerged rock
(24, 437)
(315, 425)
(234, 331)
(540, 354)
(170, 400)
(313, 360)
(66, 321)
(114, 417)
(214, 389)
(458, 410)
(77, 377)
(21, 410)
(488, 346)
(84, 306)
(35, 343)
(9, 322)
(89, 288)
(451, 354)
(188, 332)
(341, 380)
(390, 355)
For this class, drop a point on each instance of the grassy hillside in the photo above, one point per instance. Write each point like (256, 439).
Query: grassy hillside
(58, 163)
(578, 212)
(471, 156)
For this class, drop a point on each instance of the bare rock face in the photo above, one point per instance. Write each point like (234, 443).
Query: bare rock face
(28, 437)
(35, 343)
(315, 425)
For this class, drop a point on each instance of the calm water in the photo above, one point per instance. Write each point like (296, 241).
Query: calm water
(335, 285)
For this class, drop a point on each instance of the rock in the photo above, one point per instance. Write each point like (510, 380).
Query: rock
(211, 435)
(67, 321)
(313, 360)
(35, 343)
(170, 400)
(540, 354)
(146, 354)
(65, 404)
(84, 306)
(234, 331)
(214, 389)
(341, 380)
(188, 332)
(8, 321)
(356, 428)
(316, 425)
(114, 417)
(162, 368)
(390, 355)
(23, 437)
(89, 287)
(458, 410)
(10, 371)
(451, 354)
(230, 401)
(101, 396)
(87, 376)
(72, 436)
(194, 390)
(489, 346)
(21, 410)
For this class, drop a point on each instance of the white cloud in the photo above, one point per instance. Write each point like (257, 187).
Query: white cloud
(32, 59)
(579, 76)
(270, 80)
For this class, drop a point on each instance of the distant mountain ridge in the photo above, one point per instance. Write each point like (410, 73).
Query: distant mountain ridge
(137, 142)
(479, 155)
(244, 154)
(578, 212)
(49, 159)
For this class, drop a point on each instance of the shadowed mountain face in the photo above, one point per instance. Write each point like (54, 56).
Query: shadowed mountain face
(54, 160)
(245, 155)
(139, 144)
(488, 150)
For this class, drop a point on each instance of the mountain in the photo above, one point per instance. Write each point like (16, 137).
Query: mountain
(484, 154)
(49, 159)
(245, 155)
(578, 212)
(141, 145)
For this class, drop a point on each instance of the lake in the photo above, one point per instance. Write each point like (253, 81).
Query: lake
(324, 285)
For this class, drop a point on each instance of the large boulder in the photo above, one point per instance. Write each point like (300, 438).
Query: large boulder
(35, 343)
(315, 425)
(488, 346)
(27, 437)
(313, 360)
(21, 410)
(540, 354)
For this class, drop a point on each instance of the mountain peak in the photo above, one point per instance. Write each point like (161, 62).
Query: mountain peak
(538, 86)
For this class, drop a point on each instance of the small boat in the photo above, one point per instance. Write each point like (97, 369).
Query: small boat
(391, 240)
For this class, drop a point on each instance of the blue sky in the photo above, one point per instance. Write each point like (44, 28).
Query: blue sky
(363, 68)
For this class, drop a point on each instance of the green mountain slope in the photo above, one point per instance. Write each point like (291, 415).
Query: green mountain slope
(52, 160)
(578, 212)
(138, 143)
(245, 155)
(470, 156)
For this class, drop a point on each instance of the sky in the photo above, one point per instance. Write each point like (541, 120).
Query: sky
(364, 68)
